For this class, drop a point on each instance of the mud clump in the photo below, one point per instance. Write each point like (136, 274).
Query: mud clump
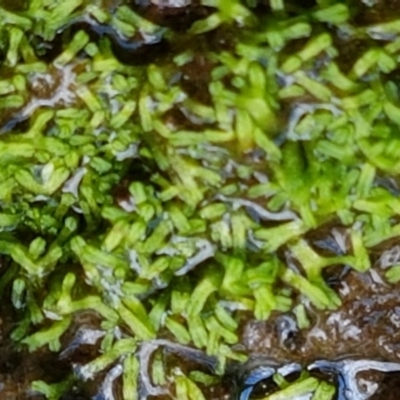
(367, 325)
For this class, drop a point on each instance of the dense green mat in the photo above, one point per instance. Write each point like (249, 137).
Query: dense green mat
(162, 188)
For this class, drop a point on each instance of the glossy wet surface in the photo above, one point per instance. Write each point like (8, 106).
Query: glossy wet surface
(19, 368)
(365, 327)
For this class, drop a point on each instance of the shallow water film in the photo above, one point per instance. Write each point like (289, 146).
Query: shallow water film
(199, 199)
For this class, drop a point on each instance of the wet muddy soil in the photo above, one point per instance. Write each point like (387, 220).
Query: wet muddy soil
(19, 368)
(366, 325)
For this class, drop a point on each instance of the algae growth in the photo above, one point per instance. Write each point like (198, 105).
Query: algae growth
(163, 167)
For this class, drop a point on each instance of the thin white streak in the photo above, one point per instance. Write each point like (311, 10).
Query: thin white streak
(130, 152)
(63, 93)
(146, 352)
(349, 369)
(261, 212)
(72, 184)
(206, 250)
(106, 391)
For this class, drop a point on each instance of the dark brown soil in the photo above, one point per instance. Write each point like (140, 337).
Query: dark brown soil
(366, 325)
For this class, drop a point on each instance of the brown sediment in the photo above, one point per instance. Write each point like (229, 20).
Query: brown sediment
(136, 52)
(365, 325)
(322, 241)
(377, 12)
(196, 76)
(386, 247)
(217, 392)
(14, 5)
(18, 368)
(175, 119)
(120, 191)
(389, 387)
(350, 49)
(177, 18)
(45, 85)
